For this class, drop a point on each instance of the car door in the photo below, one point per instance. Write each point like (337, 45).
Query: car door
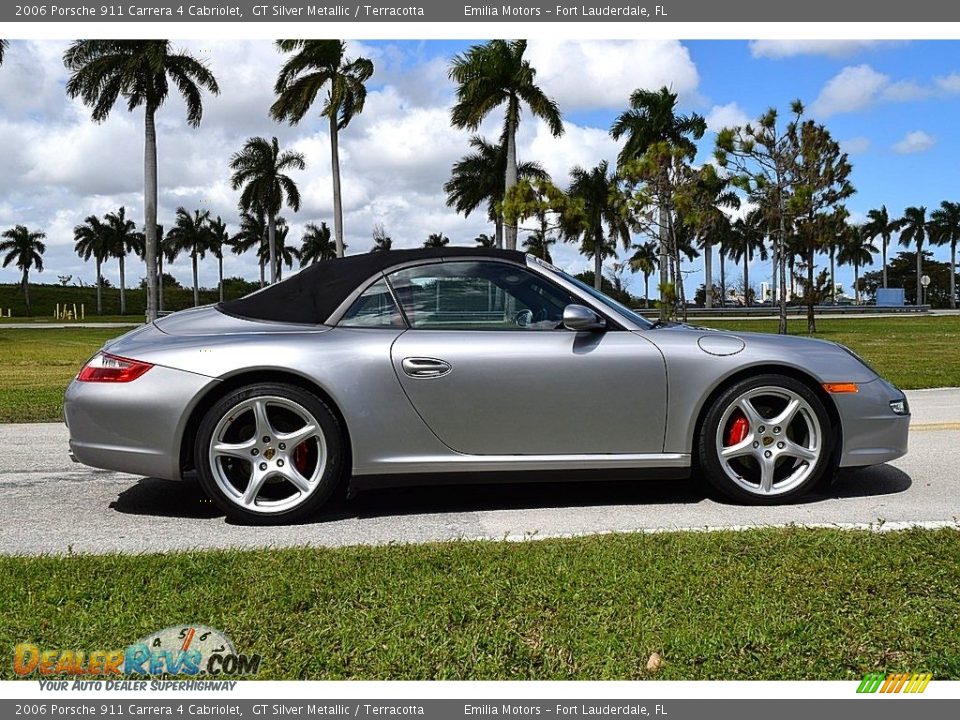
(491, 370)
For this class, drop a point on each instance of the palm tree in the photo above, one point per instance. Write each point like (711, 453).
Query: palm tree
(259, 170)
(316, 245)
(436, 240)
(491, 75)
(538, 244)
(252, 234)
(945, 228)
(286, 254)
(644, 260)
(914, 231)
(857, 249)
(141, 72)
(91, 241)
(316, 64)
(652, 120)
(381, 241)
(164, 252)
(123, 238)
(218, 237)
(879, 224)
(485, 241)
(594, 190)
(746, 241)
(4, 44)
(191, 234)
(25, 249)
(478, 177)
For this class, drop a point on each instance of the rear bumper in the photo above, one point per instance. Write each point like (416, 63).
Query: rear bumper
(872, 432)
(133, 427)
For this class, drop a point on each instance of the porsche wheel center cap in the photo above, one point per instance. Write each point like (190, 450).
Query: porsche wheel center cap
(269, 453)
(767, 442)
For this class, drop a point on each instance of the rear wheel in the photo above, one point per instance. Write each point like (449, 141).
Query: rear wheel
(269, 453)
(766, 440)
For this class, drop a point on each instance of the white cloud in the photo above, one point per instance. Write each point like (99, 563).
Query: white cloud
(906, 91)
(949, 83)
(855, 145)
(723, 116)
(592, 74)
(853, 88)
(914, 142)
(777, 49)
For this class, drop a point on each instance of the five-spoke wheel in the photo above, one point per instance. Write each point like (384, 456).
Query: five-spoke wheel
(269, 453)
(765, 440)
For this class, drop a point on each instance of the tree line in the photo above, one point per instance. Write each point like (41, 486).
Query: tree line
(775, 188)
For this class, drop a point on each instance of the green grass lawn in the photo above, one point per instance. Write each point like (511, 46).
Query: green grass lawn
(916, 352)
(39, 320)
(761, 604)
(36, 365)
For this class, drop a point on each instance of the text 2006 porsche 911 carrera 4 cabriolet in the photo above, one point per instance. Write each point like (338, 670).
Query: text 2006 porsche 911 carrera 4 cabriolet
(466, 365)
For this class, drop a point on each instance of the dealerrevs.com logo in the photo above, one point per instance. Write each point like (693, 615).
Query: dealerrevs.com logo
(189, 650)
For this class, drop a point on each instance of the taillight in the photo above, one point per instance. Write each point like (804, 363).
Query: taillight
(105, 367)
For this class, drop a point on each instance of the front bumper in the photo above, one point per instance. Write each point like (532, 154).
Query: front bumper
(133, 427)
(872, 432)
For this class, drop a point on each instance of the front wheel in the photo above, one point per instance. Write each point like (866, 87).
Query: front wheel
(269, 453)
(766, 440)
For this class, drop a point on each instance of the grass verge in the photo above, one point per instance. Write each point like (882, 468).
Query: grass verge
(36, 365)
(912, 353)
(760, 604)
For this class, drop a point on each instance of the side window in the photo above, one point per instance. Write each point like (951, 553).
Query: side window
(374, 308)
(478, 295)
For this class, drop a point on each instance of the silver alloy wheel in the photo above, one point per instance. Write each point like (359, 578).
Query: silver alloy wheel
(267, 464)
(780, 446)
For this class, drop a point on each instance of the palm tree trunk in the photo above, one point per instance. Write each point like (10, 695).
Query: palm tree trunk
(123, 289)
(746, 278)
(723, 279)
(646, 290)
(510, 179)
(833, 270)
(99, 290)
(782, 259)
(498, 231)
(150, 209)
(811, 318)
(598, 263)
(884, 238)
(262, 281)
(26, 290)
(708, 273)
(220, 274)
(919, 272)
(196, 284)
(856, 283)
(160, 281)
(664, 262)
(953, 274)
(776, 267)
(337, 197)
(272, 244)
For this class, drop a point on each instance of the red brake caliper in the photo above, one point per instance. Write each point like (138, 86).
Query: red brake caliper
(738, 430)
(300, 458)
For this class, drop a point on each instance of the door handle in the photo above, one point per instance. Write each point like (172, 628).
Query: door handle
(422, 367)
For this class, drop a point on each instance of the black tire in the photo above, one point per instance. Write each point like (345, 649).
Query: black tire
(707, 451)
(329, 482)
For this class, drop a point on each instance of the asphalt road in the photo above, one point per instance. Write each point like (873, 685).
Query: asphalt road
(51, 505)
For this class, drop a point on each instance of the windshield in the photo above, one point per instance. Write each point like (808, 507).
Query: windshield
(608, 301)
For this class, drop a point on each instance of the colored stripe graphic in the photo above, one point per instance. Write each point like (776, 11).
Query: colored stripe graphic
(894, 683)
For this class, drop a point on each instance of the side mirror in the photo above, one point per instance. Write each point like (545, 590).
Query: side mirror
(580, 318)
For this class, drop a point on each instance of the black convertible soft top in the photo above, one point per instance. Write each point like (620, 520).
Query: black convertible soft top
(310, 296)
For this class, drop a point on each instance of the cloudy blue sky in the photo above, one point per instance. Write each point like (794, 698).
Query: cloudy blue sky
(894, 106)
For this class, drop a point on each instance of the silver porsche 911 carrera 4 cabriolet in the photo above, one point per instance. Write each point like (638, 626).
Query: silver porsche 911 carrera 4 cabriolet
(466, 365)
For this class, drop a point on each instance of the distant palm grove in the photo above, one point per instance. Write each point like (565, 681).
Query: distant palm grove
(775, 189)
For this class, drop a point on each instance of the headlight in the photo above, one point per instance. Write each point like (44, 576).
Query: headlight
(900, 407)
